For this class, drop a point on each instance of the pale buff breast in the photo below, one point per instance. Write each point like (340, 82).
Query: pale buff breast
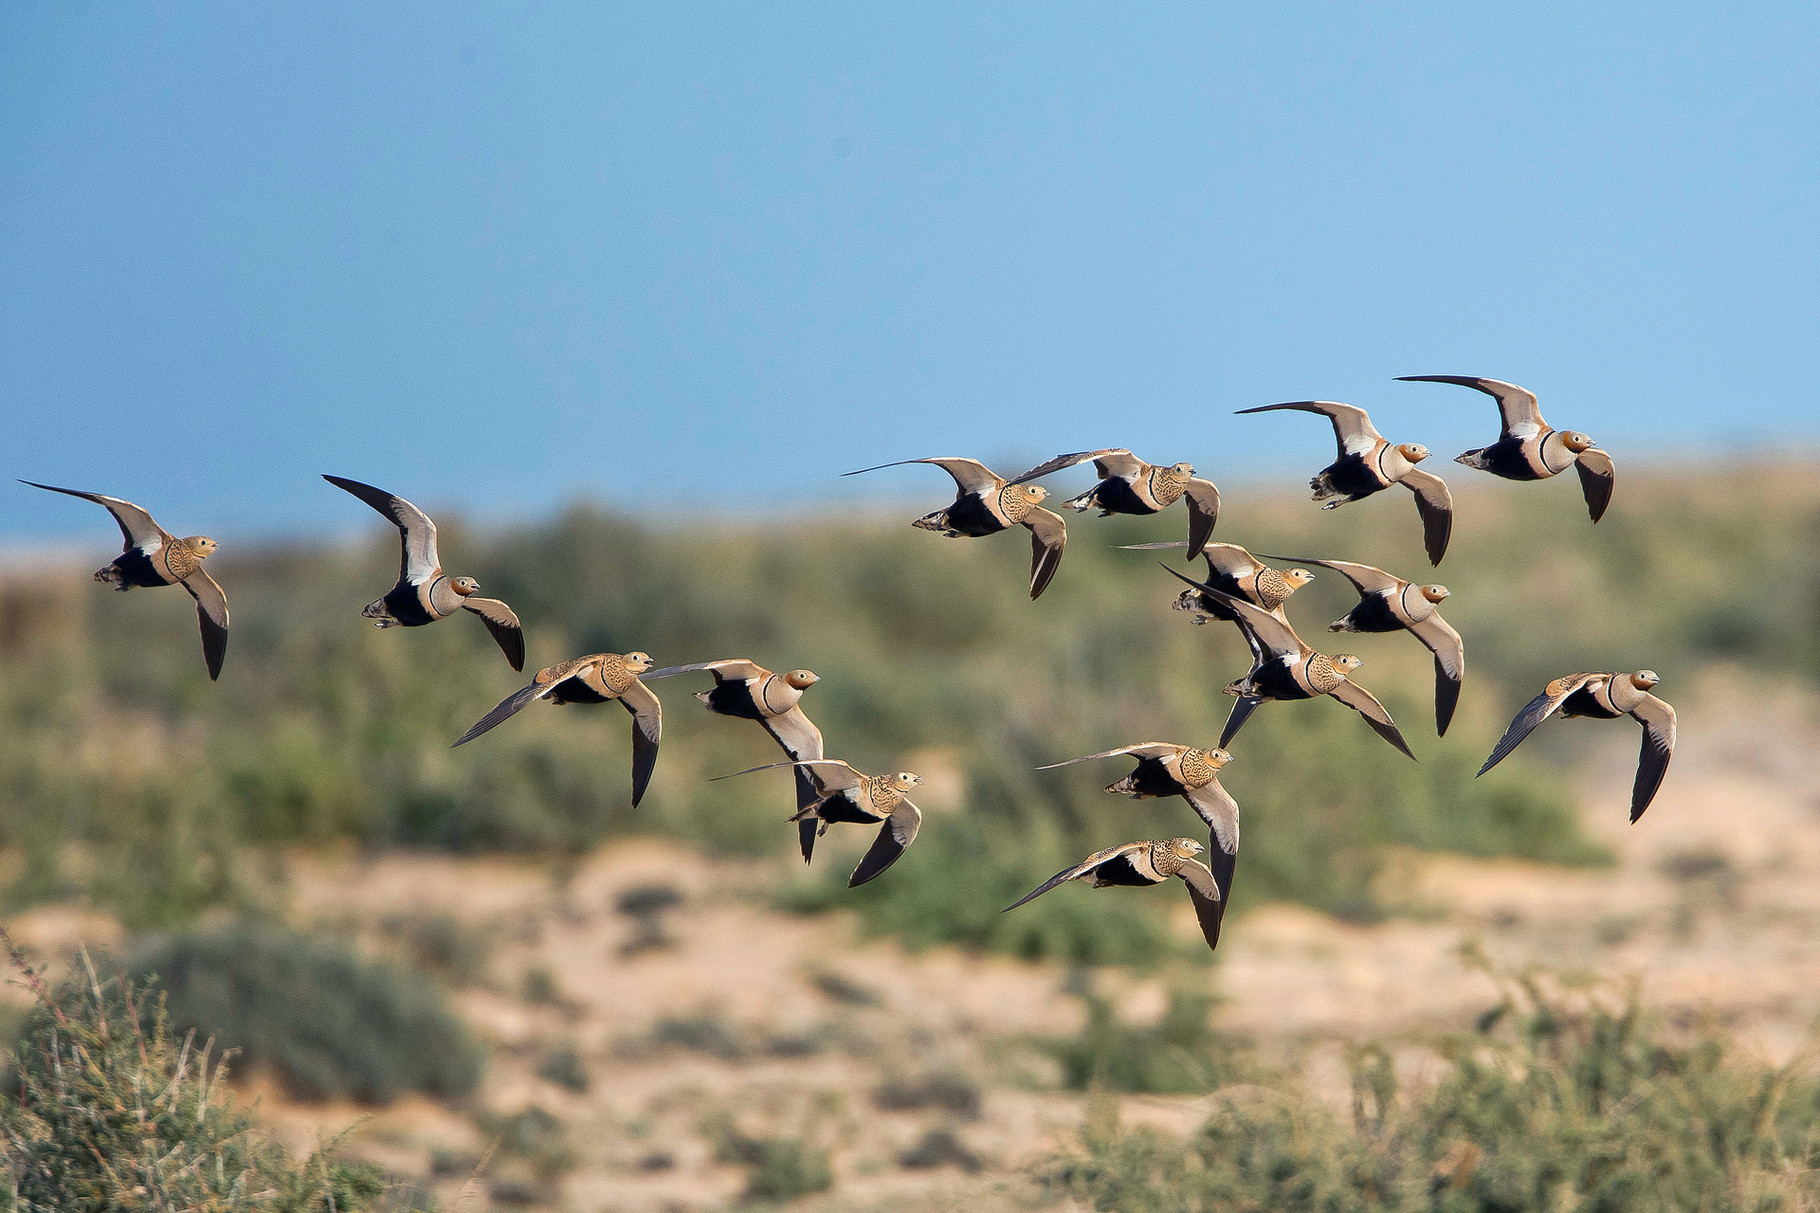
(614, 674)
(180, 560)
(1273, 590)
(881, 796)
(1013, 504)
(1167, 486)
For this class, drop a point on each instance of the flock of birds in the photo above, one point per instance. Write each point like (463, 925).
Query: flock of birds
(1239, 589)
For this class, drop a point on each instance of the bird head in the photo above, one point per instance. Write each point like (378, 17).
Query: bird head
(464, 586)
(1297, 578)
(1576, 441)
(903, 781)
(1185, 848)
(1033, 493)
(1643, 680)
(801, 680)
(1182, 469)
(636, 661)
(202, 545)
(1434, 593)
(1346, 662)
(1218, 758)
(1415, 452)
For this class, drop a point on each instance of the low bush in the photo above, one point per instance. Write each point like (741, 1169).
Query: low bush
(326, 1022)
(1179, 1054)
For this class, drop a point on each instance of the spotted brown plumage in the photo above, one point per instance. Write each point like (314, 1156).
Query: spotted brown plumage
(1166, 769)
(153, 557)
(424, 593)
(1129, 485)
(985, 504)
(848, 795)
(1233, 570)
(1388, 604)
(1367, 463)
(596, 678)
(1148, 863)
(1605, 695)
(1528, 448)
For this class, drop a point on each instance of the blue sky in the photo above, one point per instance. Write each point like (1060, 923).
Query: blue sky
(497, 258)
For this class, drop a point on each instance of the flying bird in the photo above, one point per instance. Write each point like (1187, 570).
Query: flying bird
(1605, 696)
(596, 678)
(1388, 604)
(1149, 863)
(1233, 570)
(1165, 769)
(1367, 464)
(985, 504)
(1128, 485)
(1289, 669)
(751, 692)
(155, 557)
(847, 795)
(1528, 448)
(425, 593)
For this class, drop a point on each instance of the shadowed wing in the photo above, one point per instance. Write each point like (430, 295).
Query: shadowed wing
(1365, 704)
(1277, 637)
(1143, 749)
(1435, 504)
(800, 739)
(647, 730)
(736, 668)
(970, 475)
(1048, 536)
(136, 526)
(1658, 721)
(1450, 665)
(212, 612)
(831, 774)
(1534, 713)
(418, 561)
(509, 707)
(1203, 511)
(1221, 813)
(1352, 427)
(1077, 871)
(894, 837)
(1210, 911)
(1111, 461)
(1242, 709)
(1365, 578)
(1517, 407)
(503, 624)
(1598, 477)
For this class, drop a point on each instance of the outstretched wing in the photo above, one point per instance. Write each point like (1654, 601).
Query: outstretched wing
(647, 730)
(1517, 408)
(1048, 536)
(503, 624)
(736, 668)
(1450, 665)
(1658, 721)
(970, 475)
(1210, 911)
(136, 526)
(1365, 578)
(1220, 811)
(1598, 477)
(1534, 713)
(894, 837)
(1435, 504)
(417, 533)
(832, 774)
(800, 739)
(509, 707)
(1242, 709)
(1077, 871)
(1352, 428)
(1203, 511)
(1143, 749)
(212, 612)
(1277, 637)
(1114, 460)
(1365, 704)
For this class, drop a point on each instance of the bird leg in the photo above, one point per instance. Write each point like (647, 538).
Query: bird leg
(937, 522)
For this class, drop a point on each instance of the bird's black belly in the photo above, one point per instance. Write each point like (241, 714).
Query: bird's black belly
(1120, 871)
(1152, 778)
(1350, 474)
(136, 568)
(1115, 496)
(404, 606)
(1275, 681)
(574, 690)
(733, 699)
(1373, 615)
(842, 807)
(970, 516)
(1584, 703)
(1509, 458)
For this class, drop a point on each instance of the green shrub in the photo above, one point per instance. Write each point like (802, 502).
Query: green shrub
(1180, 1054)
(110, 1110)
(328, 1023)
(780, 1168)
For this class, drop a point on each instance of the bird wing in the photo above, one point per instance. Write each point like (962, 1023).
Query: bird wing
(1048, 536)
(1450, 665)
(1534, 713)
(832, 774)
(1352, 427)
(1435, 504)
(1365, 704)
(647, 730)
(1113, 461)
(1077, 871)
(509, 706)
(1522, 417)
(800, 739)
(418, 562)
(1220, 811)
(212, 612)
(136, 526)
(1277, 637)
(1658, 721)
(1203, 511)
(1196, 876)
(970, 475)
(1242, 708)
(1598, 477)
(1365, 578)
(1143, 749)
(894, 838)
(503, 624)
(1209, 911)
(736, 668)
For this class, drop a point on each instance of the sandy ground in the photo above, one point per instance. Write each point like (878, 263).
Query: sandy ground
(1713, 905)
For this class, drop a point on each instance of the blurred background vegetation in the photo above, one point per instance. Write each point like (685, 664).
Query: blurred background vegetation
(131, 782)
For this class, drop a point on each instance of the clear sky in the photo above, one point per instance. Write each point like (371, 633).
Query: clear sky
(499, 257)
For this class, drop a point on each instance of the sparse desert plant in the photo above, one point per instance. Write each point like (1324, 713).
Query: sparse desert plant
(564, 1066)
(327, 1022)
(779, 1168)
(947, 1090)
(1179, 1054)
